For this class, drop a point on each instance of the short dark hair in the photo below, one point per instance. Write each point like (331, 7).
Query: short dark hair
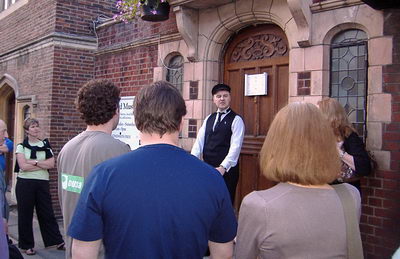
(220, 87)
(97, 101)
(159, 108)
(30, 121)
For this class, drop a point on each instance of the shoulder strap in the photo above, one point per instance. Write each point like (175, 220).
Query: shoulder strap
(354, 244)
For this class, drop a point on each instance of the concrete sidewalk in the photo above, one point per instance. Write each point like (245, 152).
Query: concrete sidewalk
(41, 252)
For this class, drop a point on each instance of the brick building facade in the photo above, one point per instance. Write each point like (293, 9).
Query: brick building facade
(50, 48)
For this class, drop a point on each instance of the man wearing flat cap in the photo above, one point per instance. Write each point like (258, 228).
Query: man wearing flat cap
(220, 138)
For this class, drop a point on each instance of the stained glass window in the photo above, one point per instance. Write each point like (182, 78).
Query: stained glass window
(348, 75)
(175, 72)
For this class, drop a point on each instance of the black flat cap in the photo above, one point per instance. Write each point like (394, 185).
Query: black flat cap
(220, 87)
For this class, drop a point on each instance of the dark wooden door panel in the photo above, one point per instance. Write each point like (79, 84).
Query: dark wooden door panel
(256, 50)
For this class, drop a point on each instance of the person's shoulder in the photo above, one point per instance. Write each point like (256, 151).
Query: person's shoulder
(353, 137)
(238, 118)
(269, 195)
(353, 190)
(9, 144)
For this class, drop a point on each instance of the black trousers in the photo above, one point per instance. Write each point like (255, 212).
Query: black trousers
(231, 180)
(35, 194)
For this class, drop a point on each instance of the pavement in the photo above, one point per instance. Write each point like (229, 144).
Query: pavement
(41, 251)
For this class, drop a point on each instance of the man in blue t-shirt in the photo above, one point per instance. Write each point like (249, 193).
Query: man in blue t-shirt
(6, 146)
(157, 201)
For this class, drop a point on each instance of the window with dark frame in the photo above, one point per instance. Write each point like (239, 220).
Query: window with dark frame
(348, 75)
(26, 111)
(175, 72)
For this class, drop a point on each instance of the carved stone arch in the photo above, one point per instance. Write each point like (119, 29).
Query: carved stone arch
(8, 94)
(8, 80)
(259, 46)
(220, 36)
(171, 55)
(343, 27)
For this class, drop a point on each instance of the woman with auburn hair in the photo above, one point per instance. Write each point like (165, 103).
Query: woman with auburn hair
(301, 216)
(355, 159)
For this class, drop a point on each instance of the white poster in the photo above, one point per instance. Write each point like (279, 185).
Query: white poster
(256, 84)
(126, 130)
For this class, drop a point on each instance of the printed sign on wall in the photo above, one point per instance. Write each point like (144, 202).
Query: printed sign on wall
(126, 130)
(256, 84)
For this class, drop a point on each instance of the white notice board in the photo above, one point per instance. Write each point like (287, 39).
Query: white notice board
(256, 84)
(126, 130)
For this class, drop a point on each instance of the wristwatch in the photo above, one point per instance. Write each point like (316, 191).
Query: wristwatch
(223, 167)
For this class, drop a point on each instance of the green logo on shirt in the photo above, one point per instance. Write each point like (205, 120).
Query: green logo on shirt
(72, 183)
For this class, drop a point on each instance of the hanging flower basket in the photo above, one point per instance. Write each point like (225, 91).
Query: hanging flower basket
(148, 10)
(155, 11)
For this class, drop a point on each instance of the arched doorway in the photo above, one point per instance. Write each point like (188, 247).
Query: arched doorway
(7, 113)
(256, 50)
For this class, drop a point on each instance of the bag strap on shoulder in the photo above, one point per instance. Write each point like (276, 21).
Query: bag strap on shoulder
(354, 244)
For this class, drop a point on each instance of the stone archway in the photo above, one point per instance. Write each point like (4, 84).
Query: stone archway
(7, 114)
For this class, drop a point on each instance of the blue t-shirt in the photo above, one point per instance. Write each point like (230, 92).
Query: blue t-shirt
(155, 202)
(10, 147)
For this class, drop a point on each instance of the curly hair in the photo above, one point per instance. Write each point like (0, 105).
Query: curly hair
(337, 117)
(159, 108)
(97, 101)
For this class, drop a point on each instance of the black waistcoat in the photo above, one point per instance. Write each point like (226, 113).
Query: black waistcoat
(217, 142)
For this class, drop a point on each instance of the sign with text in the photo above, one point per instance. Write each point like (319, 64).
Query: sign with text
(255, 84)
(126, 130)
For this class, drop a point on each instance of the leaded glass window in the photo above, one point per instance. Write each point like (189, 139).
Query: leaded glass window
(348, 75)
(26, 112)
(175, 72)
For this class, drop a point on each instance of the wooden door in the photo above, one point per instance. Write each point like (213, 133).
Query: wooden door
(256, 50)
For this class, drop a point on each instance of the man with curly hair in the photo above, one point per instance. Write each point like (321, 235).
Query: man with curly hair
(157, 201)
(98, 103)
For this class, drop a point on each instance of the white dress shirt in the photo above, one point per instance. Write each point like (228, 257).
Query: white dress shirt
(236, 140)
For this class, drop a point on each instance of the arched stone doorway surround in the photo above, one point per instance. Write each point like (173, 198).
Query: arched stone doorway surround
(205, 33)
(8, 94)
(12, 106)
(218, 25)
(215, 28)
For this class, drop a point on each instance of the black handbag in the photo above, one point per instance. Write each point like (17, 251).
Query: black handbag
(13, 251)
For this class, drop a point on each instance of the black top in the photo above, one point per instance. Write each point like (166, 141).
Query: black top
(354, 146)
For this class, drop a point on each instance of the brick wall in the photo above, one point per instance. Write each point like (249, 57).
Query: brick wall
(34, 76)
(71, 69)
(130, 69)
(122, 33)
(75, 17)
(381, 210)
(33, 20)
(53, 73)
(39, 18)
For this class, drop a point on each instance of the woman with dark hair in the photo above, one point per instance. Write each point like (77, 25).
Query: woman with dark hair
(355, 159)
(301, 216)
(34, 158)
